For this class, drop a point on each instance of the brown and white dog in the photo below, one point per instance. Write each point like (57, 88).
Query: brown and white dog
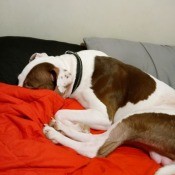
(134, 107)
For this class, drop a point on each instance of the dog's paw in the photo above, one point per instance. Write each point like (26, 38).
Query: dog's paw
(62, 116)
(64, 80)
(51, 134)
(56, 126)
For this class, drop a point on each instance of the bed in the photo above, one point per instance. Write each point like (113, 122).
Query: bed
(24, 150)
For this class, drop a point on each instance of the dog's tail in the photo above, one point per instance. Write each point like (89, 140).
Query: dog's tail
(166, 170)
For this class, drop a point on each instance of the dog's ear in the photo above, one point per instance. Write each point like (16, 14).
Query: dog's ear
(37, 55)
(54, 74)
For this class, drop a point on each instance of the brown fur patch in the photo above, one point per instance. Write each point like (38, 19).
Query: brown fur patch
(116, 83)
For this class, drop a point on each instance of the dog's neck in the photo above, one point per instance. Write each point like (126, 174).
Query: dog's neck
(79, 70)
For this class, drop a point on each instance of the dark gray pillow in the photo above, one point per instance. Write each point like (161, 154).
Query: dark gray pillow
(157, 60)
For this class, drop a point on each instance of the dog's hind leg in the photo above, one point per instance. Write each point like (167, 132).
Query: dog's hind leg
(150, 131)
(117, 135)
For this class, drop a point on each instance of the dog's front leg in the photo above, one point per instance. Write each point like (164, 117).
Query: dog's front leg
(87, 148)
(95, 115)
(74, 134)
(91, 117)
(79, 127)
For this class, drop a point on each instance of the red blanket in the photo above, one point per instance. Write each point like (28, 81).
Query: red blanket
(24, 150)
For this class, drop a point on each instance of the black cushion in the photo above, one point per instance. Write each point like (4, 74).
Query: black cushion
(16, 51)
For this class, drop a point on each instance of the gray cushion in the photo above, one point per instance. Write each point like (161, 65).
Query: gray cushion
(157, 60)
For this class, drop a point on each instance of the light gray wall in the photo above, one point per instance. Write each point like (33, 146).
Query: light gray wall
(71, 20)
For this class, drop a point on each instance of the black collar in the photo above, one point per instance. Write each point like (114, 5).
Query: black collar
(79, 70)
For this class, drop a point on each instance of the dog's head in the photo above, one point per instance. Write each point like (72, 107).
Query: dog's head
(41, 73)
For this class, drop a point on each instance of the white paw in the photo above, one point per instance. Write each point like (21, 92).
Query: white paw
(51, 133)
(62, 116)
(64, 79)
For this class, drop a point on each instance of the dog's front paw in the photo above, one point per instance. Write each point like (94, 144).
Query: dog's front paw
(51, 134)
(64, 80)
(62, 116)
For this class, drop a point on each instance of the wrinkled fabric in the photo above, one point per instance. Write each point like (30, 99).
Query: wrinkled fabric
(24, 150)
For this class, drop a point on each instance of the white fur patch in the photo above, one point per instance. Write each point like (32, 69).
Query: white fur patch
(64, 79)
